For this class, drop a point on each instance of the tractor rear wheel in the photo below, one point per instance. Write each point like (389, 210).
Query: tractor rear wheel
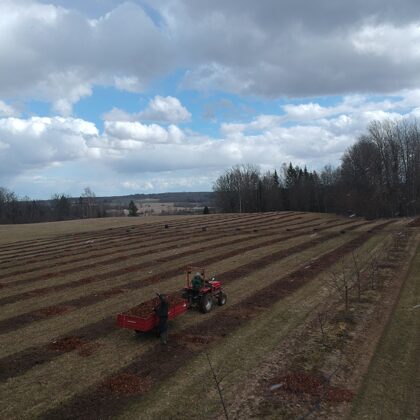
(222, 298)
(206, 303)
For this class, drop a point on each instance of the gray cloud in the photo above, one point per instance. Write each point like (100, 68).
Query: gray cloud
(299, 48)
(269, 48)
(53, 54)
(161, 109)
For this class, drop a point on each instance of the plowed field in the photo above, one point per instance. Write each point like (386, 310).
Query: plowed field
(62, 285)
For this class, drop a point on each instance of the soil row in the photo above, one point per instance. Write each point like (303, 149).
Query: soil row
(132, 232)
(157, 365)
(130, 238)
(22, 245)
(108, 234)
(19, 363)
(134, 244)
(145, 264)
(22, 320)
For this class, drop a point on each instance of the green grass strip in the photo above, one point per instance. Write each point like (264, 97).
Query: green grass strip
(391, 388)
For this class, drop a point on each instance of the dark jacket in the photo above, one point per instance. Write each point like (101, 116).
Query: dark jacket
(162, 312)
(196, 283)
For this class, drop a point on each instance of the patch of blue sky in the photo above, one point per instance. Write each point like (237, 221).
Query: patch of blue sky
(37, 109)
(324, 101)
(103, 99)
(152, 13)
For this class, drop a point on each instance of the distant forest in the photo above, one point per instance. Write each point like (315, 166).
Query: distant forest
(63, 207)
(379, 176)
(60, 207)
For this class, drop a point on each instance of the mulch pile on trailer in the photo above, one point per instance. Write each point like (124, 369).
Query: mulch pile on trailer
(127, 384)
(145, 309)
(312, 385)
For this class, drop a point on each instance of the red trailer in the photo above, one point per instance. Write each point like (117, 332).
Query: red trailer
(142, 318)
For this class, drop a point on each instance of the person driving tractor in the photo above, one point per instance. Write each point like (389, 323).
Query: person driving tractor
(197, 282)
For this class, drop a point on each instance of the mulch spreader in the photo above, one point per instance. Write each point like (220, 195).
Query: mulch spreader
(142, 318)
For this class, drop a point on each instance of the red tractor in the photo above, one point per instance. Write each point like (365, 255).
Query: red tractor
(200, 292)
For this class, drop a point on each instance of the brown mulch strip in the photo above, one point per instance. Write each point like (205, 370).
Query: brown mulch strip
(125, 257)
(67, 344)
(116, 237)
(112, 292)
(312, 385)
(127, 384)
(160, 364)
(194, 341)
(84, 347)
(415, 222)
(26, 318)
(53, 311)
(88, 349)
(18, 363)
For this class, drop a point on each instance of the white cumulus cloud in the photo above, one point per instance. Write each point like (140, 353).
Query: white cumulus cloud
(7, 110)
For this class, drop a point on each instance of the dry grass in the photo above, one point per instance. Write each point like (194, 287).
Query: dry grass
(29, 394)
(391, 388)
(236, 360)
(24, 232)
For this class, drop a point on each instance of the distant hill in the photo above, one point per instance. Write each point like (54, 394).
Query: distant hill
(181, 199)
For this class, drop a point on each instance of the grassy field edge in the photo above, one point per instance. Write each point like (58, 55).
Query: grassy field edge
(391, 387)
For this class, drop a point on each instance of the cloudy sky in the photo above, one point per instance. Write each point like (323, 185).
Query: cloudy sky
(150, 96)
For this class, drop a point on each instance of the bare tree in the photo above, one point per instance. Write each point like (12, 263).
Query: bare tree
(87, 201)
(357, 275)
(372, 270)
(342, 281)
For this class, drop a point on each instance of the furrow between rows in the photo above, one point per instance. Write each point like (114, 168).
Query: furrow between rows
(10, 324)
(158, 366)
(74, 243)
(61, 274)
(133, 244)
(20, 362)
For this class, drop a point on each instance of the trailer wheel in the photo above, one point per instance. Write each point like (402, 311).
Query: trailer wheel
(221, 300)
(206, 303)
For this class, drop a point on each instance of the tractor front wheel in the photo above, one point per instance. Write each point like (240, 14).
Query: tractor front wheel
(206, 303)
(222, 298)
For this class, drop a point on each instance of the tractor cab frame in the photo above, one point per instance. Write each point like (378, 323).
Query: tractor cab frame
(206, 295)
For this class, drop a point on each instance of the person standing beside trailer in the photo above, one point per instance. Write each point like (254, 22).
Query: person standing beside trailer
(162, 312)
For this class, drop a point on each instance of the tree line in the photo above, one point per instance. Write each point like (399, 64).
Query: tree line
(379, 176)
(60, 207)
